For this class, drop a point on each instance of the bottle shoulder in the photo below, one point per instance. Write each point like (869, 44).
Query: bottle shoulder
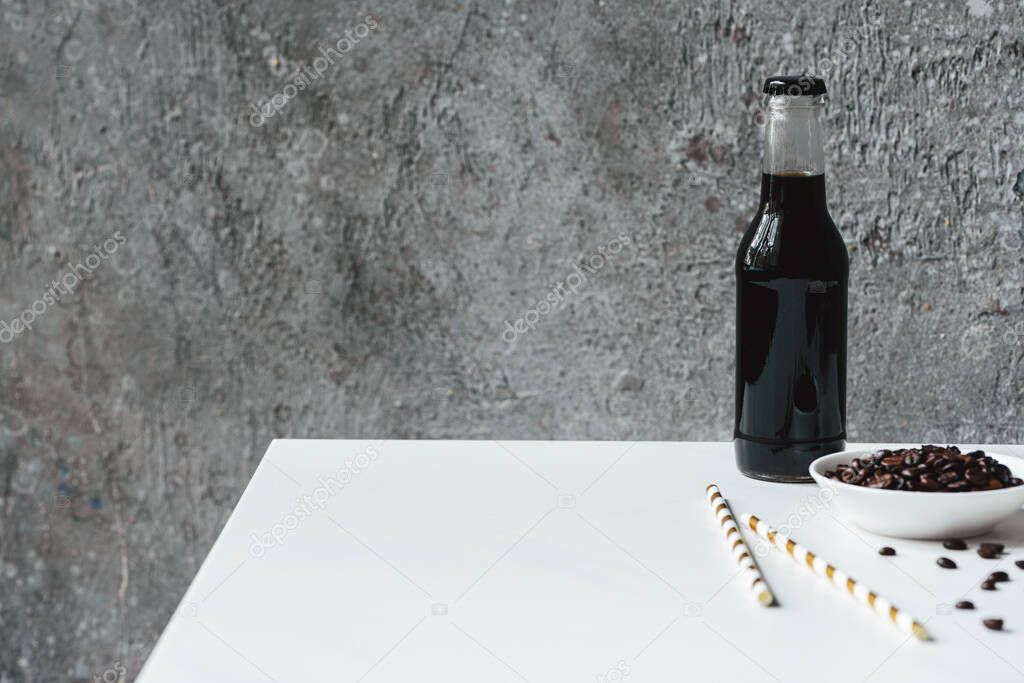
(793, 241)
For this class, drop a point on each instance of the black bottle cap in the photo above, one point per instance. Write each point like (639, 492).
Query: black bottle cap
(794, 85)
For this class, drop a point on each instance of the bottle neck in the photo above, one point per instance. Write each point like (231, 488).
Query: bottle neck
(793, 149)
(793, 193)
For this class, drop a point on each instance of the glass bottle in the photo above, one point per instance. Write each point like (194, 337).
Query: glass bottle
(792, 272)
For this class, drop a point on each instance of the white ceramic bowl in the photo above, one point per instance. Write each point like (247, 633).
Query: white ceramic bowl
(920, 514)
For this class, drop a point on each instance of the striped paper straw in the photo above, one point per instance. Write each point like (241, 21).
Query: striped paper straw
(837, 578)
(740, 552)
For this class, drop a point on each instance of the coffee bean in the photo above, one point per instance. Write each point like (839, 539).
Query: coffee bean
(893, 462)
(987, 553)
(995, 547)
(976, 476)
(882, 480)
(1020, 564)
(993, 624)
(946, 563)
(948, 477)
(887, 551)
(998, 576)
(954, 544)
(965, 604)
(988, 585)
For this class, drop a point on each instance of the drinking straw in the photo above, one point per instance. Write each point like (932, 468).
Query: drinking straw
(738, 547)
(837, 578)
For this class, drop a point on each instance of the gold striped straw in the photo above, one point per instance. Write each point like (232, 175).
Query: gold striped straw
(837, 578)
(740, 552)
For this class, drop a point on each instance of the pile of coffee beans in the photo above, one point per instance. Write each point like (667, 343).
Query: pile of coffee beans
(928, 468)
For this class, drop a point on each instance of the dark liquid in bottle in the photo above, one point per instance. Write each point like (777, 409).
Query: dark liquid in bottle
(792, 273)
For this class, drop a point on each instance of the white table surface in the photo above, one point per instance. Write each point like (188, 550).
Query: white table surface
(557, 562)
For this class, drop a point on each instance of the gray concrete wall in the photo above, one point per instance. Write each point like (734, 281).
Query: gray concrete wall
(346, 267)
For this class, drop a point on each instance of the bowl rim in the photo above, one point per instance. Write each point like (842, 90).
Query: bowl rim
(822, 480)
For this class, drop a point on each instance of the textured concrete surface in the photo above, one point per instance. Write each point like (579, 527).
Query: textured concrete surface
(347, 267)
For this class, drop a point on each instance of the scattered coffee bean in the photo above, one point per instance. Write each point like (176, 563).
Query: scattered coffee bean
(994, 624)
(954, 544)
(988, 585)
(965, 604)
(994, 547)
(928, 468)
(988, 553)
(886, 550)
(998, 576)
(946, 563)
(1020, 564)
